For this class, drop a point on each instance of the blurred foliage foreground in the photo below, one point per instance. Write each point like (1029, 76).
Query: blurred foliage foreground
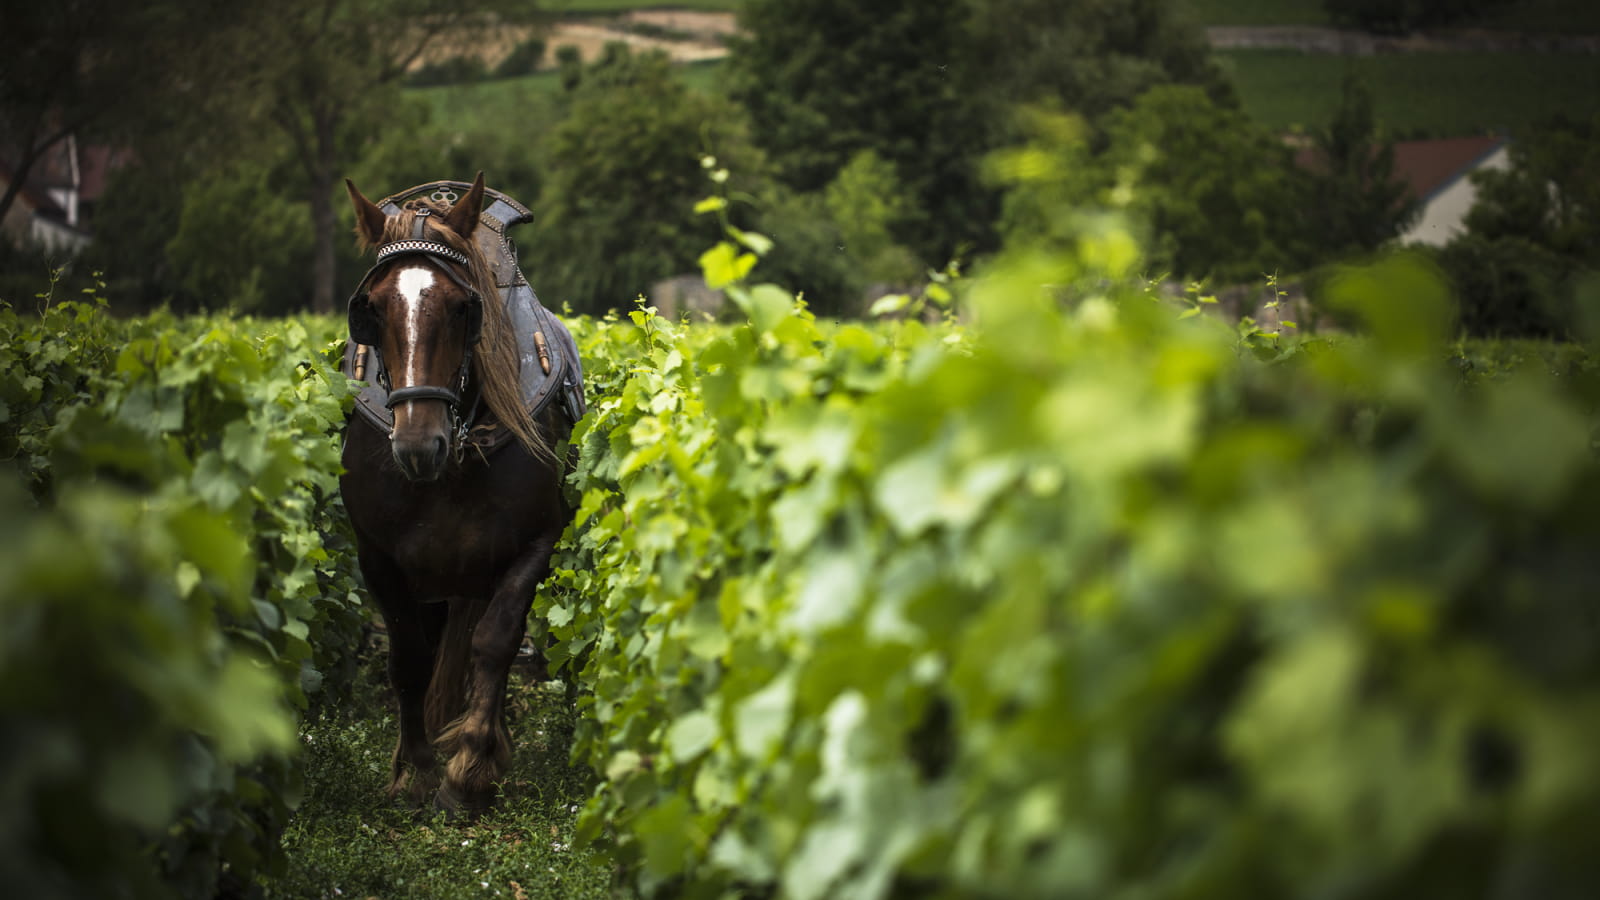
(1082, 593)
(1087, 594)
(175, 593)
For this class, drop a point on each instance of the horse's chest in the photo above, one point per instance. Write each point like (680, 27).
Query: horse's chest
(456, 536)
(452, 546)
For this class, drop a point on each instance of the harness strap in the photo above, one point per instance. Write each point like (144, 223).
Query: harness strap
(421, 392)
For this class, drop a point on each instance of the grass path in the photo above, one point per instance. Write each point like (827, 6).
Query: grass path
(348, 841)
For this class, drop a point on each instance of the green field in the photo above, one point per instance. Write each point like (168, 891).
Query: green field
(1432, 94)
(1555, 16)
(529, 99)
(1421, 95)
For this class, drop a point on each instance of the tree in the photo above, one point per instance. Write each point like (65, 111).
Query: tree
(931, 87)
(868, 202)
(624, 172)
(254, 265)
(1217, 194)
(1087, 56)
(195, 86)
(104, 70)
(834, 244)
(1356, 202)
(329, 72)
(824, 80)
(1532, 236)
(1549, 195)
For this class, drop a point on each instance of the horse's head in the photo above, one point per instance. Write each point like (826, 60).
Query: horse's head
(419, 307)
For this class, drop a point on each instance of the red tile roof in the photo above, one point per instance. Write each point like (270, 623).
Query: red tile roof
(1428, 166)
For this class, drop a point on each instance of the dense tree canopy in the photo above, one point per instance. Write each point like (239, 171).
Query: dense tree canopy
(1088, 56)
(930, 88)
(330, 73)
(198, 91)
(1356, 203)
(105, 70)
(1217, 193)
(824, 80)
(624, 172)
(1532, 237)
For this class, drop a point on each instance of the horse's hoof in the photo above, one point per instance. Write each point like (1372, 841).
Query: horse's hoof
(460, 810)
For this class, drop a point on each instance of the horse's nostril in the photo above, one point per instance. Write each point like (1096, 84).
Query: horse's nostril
(422, 460)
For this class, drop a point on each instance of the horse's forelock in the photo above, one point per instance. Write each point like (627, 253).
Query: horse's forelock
(398, 226)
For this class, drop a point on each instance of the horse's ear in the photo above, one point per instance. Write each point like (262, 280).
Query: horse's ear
(369, 218)
(463, 217)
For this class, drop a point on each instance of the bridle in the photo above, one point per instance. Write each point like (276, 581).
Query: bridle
(364, 328)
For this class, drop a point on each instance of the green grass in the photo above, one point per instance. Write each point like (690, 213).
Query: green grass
(348, 841)
(1485, 359)
(498, 94)
(1558, 16)
(703, 76)
(528, 103)
(1422, 94)
(528, 100)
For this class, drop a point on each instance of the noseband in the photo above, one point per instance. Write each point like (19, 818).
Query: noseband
(364, 325)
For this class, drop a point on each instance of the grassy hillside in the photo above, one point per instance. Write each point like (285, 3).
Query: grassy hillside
(528, 100)
(1545, 16)
(1422, 94)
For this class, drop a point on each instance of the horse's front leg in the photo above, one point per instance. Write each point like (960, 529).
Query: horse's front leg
(479, 744)
(414, 630)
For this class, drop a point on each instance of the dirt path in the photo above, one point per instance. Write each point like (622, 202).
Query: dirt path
(591, 38)
(684, 35)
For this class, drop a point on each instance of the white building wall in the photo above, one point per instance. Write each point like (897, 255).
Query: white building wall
(1444, 215)
(54, 237)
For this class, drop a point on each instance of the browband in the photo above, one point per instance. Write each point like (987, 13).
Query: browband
(432, 248)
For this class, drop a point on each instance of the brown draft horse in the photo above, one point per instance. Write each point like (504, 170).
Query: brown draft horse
(452, 544)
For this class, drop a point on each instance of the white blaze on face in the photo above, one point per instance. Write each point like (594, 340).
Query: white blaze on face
(413, 283)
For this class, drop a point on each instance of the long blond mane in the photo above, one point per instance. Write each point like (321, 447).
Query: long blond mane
(497, 362)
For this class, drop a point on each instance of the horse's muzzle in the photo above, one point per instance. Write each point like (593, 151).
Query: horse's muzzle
(422, 460)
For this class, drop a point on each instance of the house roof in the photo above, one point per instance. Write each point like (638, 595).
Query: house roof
(32, 197)
(1425, 167)
(1429, 166)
